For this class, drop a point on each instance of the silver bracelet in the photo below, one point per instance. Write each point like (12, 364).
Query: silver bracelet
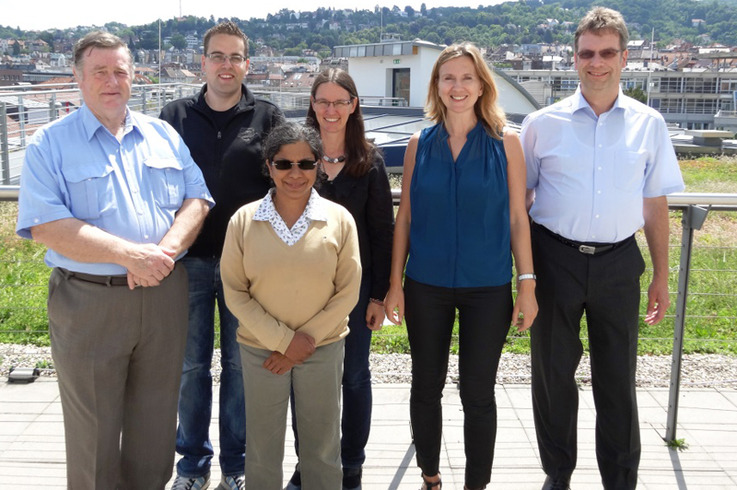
(522, 277)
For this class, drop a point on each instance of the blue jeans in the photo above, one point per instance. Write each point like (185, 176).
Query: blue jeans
(356, 386)
(195, 397)
(357, 397)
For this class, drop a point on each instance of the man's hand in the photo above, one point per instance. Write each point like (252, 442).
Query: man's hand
(148, 265)
(278, 363)
(300, 348)
(658, 301)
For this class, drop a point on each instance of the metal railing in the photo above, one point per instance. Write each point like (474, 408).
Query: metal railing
(33, 108)
(695, 208)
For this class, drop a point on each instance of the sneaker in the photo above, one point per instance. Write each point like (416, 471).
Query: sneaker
(197, 483)
(352, 478)
(237, 482)
(295, 483)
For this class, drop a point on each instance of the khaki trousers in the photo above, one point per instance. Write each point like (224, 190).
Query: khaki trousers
(118, 354)
(316, 385)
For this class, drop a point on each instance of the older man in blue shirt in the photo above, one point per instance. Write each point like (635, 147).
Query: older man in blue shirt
(599, 165)
(117, 199)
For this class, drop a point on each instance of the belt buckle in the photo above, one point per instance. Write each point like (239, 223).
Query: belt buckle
(587, 249)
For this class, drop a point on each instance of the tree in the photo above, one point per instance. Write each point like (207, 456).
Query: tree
(636, 93)
(178, 41)
(48, 38)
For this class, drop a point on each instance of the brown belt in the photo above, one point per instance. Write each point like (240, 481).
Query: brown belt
(95, 279)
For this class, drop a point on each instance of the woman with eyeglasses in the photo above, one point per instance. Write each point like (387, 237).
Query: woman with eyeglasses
(461, 219)
(291, 273)
(356, 179)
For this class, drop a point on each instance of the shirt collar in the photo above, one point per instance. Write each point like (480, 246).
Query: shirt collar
(443, 132)
(579, 102)
(314, 211)
(91, 124)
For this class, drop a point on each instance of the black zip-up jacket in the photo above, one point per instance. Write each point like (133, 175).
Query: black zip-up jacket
(229, 156)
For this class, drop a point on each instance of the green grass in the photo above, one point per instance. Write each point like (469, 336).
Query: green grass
(712, 306)
(23, 282)
(711, 309)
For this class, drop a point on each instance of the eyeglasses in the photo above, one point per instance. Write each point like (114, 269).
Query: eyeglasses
(219, 58)
(605, 54)
(287, 165)
(338, 104)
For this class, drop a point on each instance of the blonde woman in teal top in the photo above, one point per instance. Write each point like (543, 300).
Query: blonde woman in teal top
(461, 219)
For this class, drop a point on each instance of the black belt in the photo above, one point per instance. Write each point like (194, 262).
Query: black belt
(589, 248)
(103, 280)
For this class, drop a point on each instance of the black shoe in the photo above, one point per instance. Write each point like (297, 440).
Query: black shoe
(563, 483)
(352, 478)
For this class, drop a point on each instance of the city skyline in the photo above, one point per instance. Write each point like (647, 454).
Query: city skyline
(51, 14)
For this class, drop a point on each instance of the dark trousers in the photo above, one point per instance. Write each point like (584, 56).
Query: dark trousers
(484, 315)
(607, 288)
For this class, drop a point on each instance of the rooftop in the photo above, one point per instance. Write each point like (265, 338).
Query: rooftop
(32, 443)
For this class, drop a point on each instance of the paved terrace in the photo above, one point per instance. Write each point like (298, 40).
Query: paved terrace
(32, 440)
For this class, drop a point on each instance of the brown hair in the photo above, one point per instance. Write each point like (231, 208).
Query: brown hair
(228, 28)
(601, 19)
(359, 152)
(486, 108)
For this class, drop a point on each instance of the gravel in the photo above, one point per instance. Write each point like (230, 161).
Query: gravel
(697, 370)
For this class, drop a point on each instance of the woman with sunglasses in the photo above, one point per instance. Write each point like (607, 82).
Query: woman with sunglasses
(291, 273)
(356, 179)
(461, 219)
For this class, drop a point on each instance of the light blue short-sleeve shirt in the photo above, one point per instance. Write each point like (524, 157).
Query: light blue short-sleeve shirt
(590, 174)
(76, 168)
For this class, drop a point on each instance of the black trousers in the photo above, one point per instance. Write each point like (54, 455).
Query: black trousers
(484, 316)
(607, 288)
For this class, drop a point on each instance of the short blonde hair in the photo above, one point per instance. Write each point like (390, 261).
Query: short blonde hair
(486, 108)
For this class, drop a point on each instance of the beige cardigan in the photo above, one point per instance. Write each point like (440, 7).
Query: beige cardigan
(274, 289)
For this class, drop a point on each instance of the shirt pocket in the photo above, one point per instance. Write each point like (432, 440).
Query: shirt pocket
(91, 190)
(629, 169)
(166, 177)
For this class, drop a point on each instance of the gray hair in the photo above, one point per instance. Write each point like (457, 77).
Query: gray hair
(288, 133)
(102, 40)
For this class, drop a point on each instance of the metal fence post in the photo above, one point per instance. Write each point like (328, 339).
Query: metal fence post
(4, 149)
(22, 121)
(693, 219)
(53, 108)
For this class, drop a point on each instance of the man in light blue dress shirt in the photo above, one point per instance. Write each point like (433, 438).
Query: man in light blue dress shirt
(599, 165)
(117, 199)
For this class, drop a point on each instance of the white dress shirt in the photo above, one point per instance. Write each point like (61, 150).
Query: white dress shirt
(590, 174)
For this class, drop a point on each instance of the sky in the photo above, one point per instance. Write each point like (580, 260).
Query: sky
(61, 14)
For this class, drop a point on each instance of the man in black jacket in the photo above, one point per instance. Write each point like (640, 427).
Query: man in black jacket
(223, 126)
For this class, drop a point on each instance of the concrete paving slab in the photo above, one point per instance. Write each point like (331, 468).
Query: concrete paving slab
(32, 440)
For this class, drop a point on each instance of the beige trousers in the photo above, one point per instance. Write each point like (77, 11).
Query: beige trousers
(118, 354)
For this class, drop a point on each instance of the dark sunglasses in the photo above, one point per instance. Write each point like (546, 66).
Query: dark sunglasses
(287, 165)
(606, 54)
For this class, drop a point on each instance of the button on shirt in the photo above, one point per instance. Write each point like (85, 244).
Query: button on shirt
(590, 174)
(76, 168)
